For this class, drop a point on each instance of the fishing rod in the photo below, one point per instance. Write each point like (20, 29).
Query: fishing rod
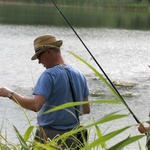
(96, 61)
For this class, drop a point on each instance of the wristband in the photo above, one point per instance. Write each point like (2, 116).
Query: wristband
(10, 94)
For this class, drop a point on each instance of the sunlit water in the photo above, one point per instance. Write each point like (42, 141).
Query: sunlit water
(124, 55)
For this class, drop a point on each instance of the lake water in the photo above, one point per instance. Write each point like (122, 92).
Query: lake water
(123, 55)
(118, 39)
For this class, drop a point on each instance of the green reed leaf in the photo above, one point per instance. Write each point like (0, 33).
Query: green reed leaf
(107, 137)
(100, 135)
(22, 141)
(71, 104)
(99, 75)
(28, 133)
(105, 119)
(126, 142)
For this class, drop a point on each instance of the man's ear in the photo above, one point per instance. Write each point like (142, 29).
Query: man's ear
(48, 51)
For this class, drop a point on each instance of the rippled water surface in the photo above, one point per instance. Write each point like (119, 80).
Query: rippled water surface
(123, 54)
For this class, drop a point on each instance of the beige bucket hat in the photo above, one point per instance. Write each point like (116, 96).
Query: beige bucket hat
(44, 42)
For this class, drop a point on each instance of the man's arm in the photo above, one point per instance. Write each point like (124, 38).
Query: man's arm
(33, 104)
(86, 107)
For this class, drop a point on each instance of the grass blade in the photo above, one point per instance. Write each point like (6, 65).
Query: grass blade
(28, 133)
(71, 104)
(22, 141)
(107, 137)
(126, 142)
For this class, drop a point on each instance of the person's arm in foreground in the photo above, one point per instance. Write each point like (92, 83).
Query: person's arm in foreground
(33, 104)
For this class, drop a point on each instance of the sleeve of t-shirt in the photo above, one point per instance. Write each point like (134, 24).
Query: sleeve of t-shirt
(43, 86)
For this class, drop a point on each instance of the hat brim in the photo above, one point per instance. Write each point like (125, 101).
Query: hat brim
(57, 44)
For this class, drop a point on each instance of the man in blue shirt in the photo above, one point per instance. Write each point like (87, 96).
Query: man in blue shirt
(53, 89)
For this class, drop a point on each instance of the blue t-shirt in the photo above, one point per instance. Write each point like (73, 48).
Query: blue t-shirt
(54, 85)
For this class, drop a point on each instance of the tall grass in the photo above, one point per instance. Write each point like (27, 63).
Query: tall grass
(99, 141)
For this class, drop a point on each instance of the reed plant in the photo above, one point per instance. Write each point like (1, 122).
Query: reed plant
(26, 142)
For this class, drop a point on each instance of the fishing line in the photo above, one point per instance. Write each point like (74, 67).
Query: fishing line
(96, 62)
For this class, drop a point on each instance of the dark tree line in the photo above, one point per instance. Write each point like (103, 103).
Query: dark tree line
(75, 2)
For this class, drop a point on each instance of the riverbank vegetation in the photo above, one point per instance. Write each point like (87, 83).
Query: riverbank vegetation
(86, 3)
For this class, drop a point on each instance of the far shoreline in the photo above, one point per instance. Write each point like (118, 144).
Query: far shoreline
(135, 7)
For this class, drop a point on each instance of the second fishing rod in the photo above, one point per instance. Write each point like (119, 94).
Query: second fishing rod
(134, 116)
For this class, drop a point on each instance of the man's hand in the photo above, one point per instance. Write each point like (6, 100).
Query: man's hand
(143, 128)
(4, 91)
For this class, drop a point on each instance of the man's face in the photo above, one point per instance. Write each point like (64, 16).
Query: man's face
(42, 58)
(46, 58)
